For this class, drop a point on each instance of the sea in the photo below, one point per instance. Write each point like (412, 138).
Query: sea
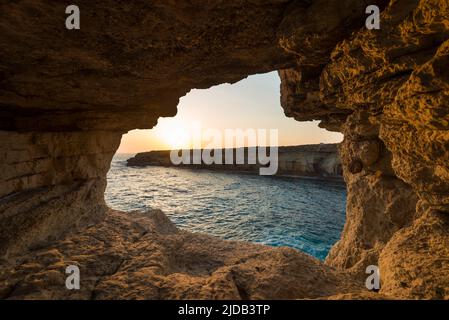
(302, 213)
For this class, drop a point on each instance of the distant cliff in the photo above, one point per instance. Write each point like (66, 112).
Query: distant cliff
(320, 160)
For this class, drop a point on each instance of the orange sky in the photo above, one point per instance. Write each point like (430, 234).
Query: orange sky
(251, 103)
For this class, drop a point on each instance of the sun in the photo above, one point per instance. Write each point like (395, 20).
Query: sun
(173, 133)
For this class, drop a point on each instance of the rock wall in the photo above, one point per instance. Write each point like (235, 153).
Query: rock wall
(320, 160)
(67, 96)
(51, 183)
(393, 83)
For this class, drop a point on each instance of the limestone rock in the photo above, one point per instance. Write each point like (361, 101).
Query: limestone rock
(144, 256)
(394, 84)
(51, 184)
(66, 97)
(415, 262)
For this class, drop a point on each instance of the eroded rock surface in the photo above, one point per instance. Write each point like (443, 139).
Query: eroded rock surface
(51, 183)
(144, 256)
(67, 96)
(394, 84)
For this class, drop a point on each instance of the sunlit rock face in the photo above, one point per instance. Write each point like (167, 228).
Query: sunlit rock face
(67, 96)
(394, 83)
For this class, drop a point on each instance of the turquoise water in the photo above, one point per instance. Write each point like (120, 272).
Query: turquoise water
(301, 213)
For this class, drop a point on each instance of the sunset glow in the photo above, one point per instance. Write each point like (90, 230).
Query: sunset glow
(251, 103)
(173, 133)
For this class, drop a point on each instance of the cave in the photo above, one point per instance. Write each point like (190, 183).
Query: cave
(68, 96)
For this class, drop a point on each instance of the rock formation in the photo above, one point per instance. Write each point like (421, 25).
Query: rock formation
(67, 96)
(319, 160)
(144, 256)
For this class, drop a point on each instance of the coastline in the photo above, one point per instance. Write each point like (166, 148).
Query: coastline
(320, 161)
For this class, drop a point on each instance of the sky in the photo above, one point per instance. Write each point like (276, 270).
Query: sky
(252, 103)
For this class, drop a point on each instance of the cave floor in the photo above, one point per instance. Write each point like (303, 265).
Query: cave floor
(144, 256)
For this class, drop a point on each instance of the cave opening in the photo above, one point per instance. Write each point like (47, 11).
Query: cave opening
(67, 98)
(303, 206)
